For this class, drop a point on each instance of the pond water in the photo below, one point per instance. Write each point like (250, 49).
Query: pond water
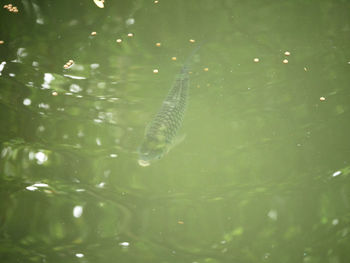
(258, 172)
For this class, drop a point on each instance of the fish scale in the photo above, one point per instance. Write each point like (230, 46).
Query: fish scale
(160, 133)
(169, 118)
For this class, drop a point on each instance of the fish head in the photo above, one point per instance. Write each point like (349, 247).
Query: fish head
(152, 149)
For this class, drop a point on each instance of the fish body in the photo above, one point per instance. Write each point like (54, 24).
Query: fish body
(162, 130)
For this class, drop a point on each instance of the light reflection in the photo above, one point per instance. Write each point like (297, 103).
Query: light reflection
(44, 106)
(94, 66)
(75, 88)
(101, 185)
(31, 188)
(27, 102)
(336, 173)
(73, 77)
(101, 85)
(36, 186)
(77, 211)
(79, 255)
(41, 128)
(5, 151)
(335, 222)
(98, 141)
(124, 244)
(30, 84)
(2, 65)
(21, 53)
(272, 214)
(40, 157)
(48, 78)
(39, 17)
(130, 21)
(97, 120)
(40, 185)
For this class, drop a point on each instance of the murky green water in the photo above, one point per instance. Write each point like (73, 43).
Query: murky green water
(263, 171)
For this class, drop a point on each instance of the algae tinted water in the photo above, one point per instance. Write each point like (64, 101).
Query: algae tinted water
(261, 176)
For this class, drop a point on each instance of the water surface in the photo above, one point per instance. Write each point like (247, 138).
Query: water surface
(261, 176)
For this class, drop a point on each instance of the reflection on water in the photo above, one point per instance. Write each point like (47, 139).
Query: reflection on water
(262, 173)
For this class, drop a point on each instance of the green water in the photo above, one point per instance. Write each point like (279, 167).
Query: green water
(263, 171)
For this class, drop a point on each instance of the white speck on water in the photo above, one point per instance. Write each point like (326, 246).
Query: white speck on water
(77, 211)
(79, 255)
(124, 244)
(12, 75)
(68, 93)
(41, 128)
(40, 185)
(101, 85)
(94, 66)
(130, 21)
(113, 155)
(80, 190)
(73, 77)
(40, 157)
(21, 52)
(335, 222)
(2, 65)
(97, 120)
(35, 64)
(40, 21)
(74, 88)
(31, 188)
(101, 185)
(27, 102)
(44, 106)
(48, 78)
(98, 141)
(336, 173)
(106, 173)
(272, 214)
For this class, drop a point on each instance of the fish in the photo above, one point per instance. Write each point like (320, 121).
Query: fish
(160, 133)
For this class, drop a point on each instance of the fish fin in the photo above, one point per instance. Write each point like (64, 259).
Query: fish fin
(177, 141)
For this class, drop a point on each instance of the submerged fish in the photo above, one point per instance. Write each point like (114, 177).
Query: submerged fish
(161, 132)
